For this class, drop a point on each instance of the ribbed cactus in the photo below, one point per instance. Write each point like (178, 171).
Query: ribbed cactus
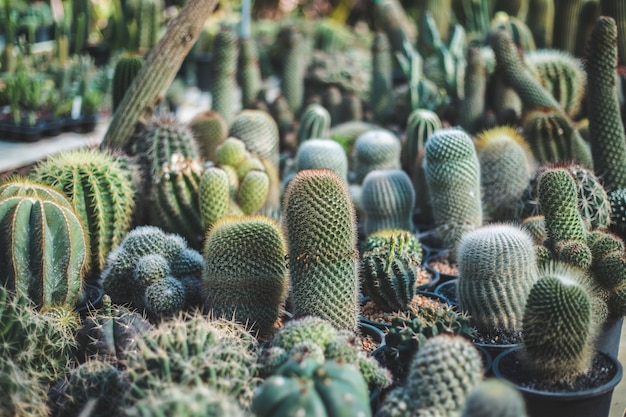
(494, 398)
(244, 276)
(214, 196)
(192, 350)
(100, 188)
(375, 149)
(383, 238)
(124, 73)
(44, 249)
(209, 129)
(197, 401)
(381, 90)
(518, 30)
(566, 14)
(391, 17)
(147, 24)
(562, 75)
(606, 132)
(443, 372)
(387, 201)
(421, 124)
(505, 169)
(560, 325)
(540, 20)
(224, 72)
(294, 63)
(259, 132)
(497, 269)
(307, 328)
(176, 195)
(453, 178)
(553, 138)
(314, 123)
(389, 273)
(249, 71)
(320, 226)
(322, 153)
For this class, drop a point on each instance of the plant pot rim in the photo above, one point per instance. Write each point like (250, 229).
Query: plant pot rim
(562, 396)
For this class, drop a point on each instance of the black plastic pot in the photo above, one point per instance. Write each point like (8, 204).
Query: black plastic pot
(447, 290)
(610, 336)
(91, 298)
(594, 402)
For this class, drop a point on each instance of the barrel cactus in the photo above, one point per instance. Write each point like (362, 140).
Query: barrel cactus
(209, 129)
(322, 153)
(375, 149)
(494, 398)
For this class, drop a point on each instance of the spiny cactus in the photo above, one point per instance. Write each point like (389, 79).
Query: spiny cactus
(214, 191)
(191, 350)
(381, 90)
(322, 153)
(259, 132)
(224, 71)
(312, 389)
(294, 63)
(566, 18)
(346, 133)
(375, 149)
(535, 226)
(176, 195)
(320, 226)
(124, 73)
(146, 22)
(101, 190)
(249, 71)
(314, 123)
(387, 200)
(44, 249)
(472, 108)
(497, 269)
(552, 138)
(606, 132)
(311, 328)
(560, 325)
(21, 394)
(494, 398)
(453, 178)
(516, 28)
(505, 169)
(245, 277)
(209, 129)
(421, 124)
(617, 198)
(393, 19)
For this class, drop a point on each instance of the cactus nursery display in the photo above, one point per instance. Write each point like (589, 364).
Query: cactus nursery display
(217, 247)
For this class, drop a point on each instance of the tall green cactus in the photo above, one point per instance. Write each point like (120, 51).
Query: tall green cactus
(214, 196)
(147, 24)
(375, 149)
(45, 248)
(320, 226)
(249, 72)
(606, 132)
(566, 14)
(294, 65)
(387, 201)
(617, 11)
(472, 108)
(224, 72)
(100, 188)
(209, 129)
(421, 124)
(245, 277)
(126, 68)
(497, 269)
(540, 20)
(505, 169)
(453, 178)
(314, 123)
(381, 90)
(322, 153)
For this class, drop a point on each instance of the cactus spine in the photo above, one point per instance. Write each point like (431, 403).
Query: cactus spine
(320, 225)
(375, 149)
(225, 45)
(101, 190)
(244, 276)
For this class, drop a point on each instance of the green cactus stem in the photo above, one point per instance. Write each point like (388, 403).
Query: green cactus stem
(249, 72)
(566, 14)
(209, 129)
(540, 20)
(375, 149)
(314, 123)
(224, 72)
(125, 71)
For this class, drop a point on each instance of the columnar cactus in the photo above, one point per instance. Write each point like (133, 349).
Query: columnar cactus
(314, 123)
(616, 11)
(375, 149)
(497, 269)
(387, 200)
(125, 71)
(249, 72)
(320, 225)
(421, 124)
(540, 20)
(606, 132)
(472, 108)
(100, 188)
(566, 18)
(209, 129)
(214, 191)
(44, 249)
(505, 169)
(147, 24)
(259, 132)
(381, 90)
(244, 275)
(322, 153)
(226, 55)
(453, 178)
(294, 63)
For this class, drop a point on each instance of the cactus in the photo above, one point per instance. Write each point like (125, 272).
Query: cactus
(126, 68)
(560, 325)
(375, 149)
(98, 383)
(535, 226)
(518, 30)
(387, 200)
(314, 123)
(21, 395)
(197, 401)
(191, 350)
(209, 129)
(565, 27)
(389, 273)
(176, 195)
(494, 398)
(381, 97)
(616, 11)
(214, 196)
(562, 75)
(472, 109)
(609, 261)
(455, 198)
(245, 277)
(384, 237)
(294, 63)
(249, 72)
(224, 72)
(44, 247)
(322, 153)
(552, 138)
(474, 16)
(617, 198)
(164, 298)
(505, 169)
(101, 190)
(540, 20)
(313, 389)
(259, 132)
(392, 18)
(320, 226)
(606, 132)
(497, 269)
(307, 328)
(347, 133)
(421, 124)
(147, 21)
